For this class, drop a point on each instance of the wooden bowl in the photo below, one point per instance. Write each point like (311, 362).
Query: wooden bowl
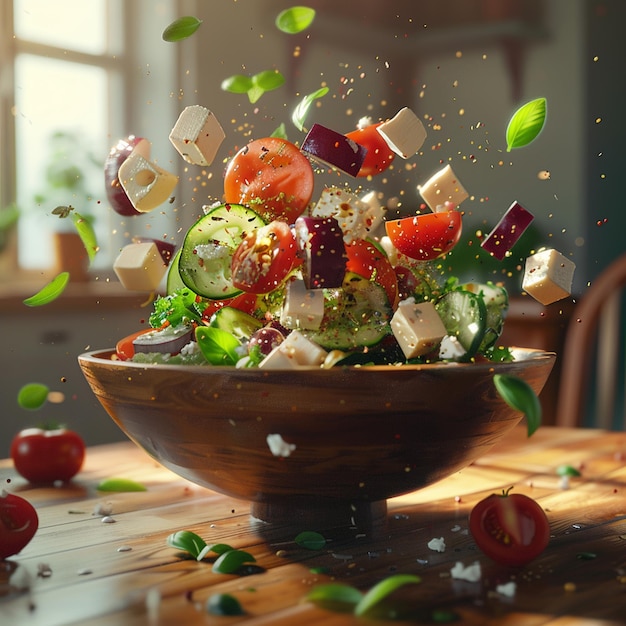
(356, 436)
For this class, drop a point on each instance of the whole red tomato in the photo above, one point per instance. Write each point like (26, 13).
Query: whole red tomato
(18, 523)
(511, 529)
(47, 456)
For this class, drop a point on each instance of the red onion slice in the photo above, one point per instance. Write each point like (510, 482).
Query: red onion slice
(334, 149)
(507, 231)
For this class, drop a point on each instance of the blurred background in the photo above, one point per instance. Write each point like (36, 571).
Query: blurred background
(77, 75)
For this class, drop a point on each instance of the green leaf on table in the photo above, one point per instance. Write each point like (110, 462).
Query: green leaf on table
(335, 596)
(383, 589)
(181, 28)
(519, 395)
(187, 541)
(223, 604)
(87, 235)
(567, 470)
(49, 292)
(526, 124)
(229, 562)
(218, 346)
(120, 485)
(310, 540)
(33, 396)
(295, 19)
(301, 111)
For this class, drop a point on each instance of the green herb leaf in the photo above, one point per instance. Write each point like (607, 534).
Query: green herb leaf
(301, 111)
(567, 470)
(220, 548)
(87, 235)
(518, 394)
(120, 485)
(181, 28)
(218, 346)
(295, 20)
(310, 540)
(280, 131)
(526, 124)
(223, 604)
(381, 590)
(238, 83)
(268, 80)
(32, 396)
(187, 541)
(335, 596)
(586, 556)
(230, 561)
(50, 292)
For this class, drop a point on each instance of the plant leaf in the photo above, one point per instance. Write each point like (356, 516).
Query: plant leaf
(300, 112)
(181, 28)
(335, 596)
(50, 292)
(237, 83)
(527, 122)
(268, 80)
(567, 470)
(223, 604)
(120, 485)
(218, 346)
(187, 541)
(518, 394)
(381, 590)
(280, 131)
(310, 540)
(295, 19)
(33, 396)
(87, 234)
(230, 561)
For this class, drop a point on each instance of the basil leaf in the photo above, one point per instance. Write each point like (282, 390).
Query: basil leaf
(254, 93)
(527, 122)
(87, 234)
(280, 131)
(567, 470)
(223, 604)
(295, 19)
(381, 590)
(187, 541)
(220, 548)
(50, 292)
(268, 80)
(120, 485)
(518, 394)
(230, 561)
(310, 540)
(238, 83)
(218, 346)
(181, 28)
(301, 111)
(335, 596)
(32, 396)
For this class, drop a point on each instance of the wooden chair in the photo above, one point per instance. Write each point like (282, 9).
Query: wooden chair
(595, 336)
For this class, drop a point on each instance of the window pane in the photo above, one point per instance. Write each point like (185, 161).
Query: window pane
(60, 125)
(68, 24)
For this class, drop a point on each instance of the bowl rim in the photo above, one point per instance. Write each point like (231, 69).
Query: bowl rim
(536, 355)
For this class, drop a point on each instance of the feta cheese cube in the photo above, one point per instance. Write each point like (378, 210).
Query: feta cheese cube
(278, 446)
(197, 135)
(404, 133)
(548, 276)
(375, 213)
(303, 308)
(296, 351)
(417, 327)
(352, 214)
(140, 266)
(146, 185)
(442, 187)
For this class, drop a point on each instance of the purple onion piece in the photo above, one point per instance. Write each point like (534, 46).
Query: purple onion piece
(116, 195)
(334, 149)
(166, 342)
(507, 231)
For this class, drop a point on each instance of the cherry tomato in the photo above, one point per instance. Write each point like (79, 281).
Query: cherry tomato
(264, 258)
(272, 177)
(18, 524)
(425, 237)
(365, 259)
(511, 529)
(379, 155)
(246, 302)
(47, 456)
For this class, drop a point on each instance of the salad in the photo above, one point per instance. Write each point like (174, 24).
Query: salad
(274, 277)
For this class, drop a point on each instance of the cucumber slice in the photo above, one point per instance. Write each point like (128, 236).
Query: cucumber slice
(174, 281)
(236, 322)
(496, 300)
(355, 316)
(464, 315)
(206, 253)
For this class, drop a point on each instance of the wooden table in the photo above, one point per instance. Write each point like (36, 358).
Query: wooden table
(123, 573)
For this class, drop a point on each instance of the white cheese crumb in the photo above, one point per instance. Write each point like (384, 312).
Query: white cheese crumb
(103, 508)
(20, 578)
(437, 544)
(472, 573)
(507, 589)
(278, 446)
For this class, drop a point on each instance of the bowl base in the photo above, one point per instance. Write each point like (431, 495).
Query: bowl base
(321, 515)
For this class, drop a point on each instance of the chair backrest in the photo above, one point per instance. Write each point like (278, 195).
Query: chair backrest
(594, 338)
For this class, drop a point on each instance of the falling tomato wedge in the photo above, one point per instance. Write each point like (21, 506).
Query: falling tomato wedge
(425, 237)
(272, 177)
(379, 155)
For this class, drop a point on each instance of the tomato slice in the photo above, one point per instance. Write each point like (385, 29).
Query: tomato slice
(379, 155)
(365, 259)
(271, 176)
(511, 529)
(264, 258)
(246, 302)
(425, 237)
